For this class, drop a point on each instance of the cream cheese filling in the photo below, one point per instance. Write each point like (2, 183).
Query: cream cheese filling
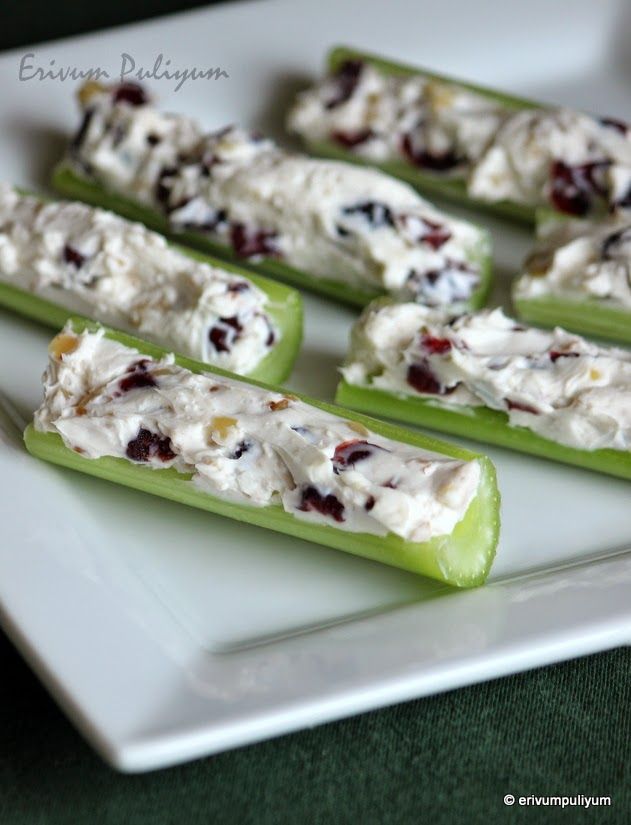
(556, 384)
(328, 219)
(92, 262)
(247, 444)
(581, 261)
(531, 157)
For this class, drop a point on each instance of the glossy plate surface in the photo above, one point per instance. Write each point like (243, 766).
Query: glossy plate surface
(168, 633)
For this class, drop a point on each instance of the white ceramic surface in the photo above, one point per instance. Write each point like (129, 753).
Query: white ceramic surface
(167, 633)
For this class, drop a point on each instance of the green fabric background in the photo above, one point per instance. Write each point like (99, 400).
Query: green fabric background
(447, 759)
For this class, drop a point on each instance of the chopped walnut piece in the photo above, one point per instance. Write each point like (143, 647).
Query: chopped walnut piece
(88, 90)
(222, 424)
(279, 405)
(63, 344)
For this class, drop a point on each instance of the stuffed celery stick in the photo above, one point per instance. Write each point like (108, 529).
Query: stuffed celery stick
(349, 233)
(57, 259)
(118, 408)
(479, 146)
(579, 276)
(486, 377)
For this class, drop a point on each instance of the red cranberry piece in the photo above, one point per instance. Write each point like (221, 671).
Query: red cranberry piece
(348, 453)
(352, 139)
(345, 80)
(148, 445)
(425, 231)
(247, 242)
(434, 345)
(436, 161)
(377, 214)
(238, 286)
(518, 405)
(423, 380)
(73, 256)
(436, 234)
(327, 505)
(555, 355)
(137, 377)
(225, 333)
(573, 187)
(153, 140)
(370, 503)
(132, 93)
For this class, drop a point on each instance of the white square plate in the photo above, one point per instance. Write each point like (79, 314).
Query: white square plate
(167, 633)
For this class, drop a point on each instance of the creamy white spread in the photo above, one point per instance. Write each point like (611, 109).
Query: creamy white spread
(561, 386)
(247, 444)
(92, 262)
(579, 261)
(328, 219)
(532, 157)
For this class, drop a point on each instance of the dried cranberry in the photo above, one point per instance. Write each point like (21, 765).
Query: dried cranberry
(247, 242)
(238, 286)
(555, 355)
(327, 505)
(348, 453)
(225, 333)
(518, 405)
(573, 187)
(352, 139)
(345, 81)
(153, 140)
(423, 380)
(377, 214)
(148, 445)
(370, 503)
(436, 161)
(434, 345)
(131, 93)
(423, 230)
(137, 377)
(436, 235)
(73, 256)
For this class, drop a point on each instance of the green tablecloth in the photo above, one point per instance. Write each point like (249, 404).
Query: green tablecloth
(564, 730)
(447, 759)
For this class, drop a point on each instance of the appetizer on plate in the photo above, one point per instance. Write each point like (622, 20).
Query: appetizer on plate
(349, 233)
(62, 258)
(484, 376)
(118, 408)
(579, 275)
(464, 141)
